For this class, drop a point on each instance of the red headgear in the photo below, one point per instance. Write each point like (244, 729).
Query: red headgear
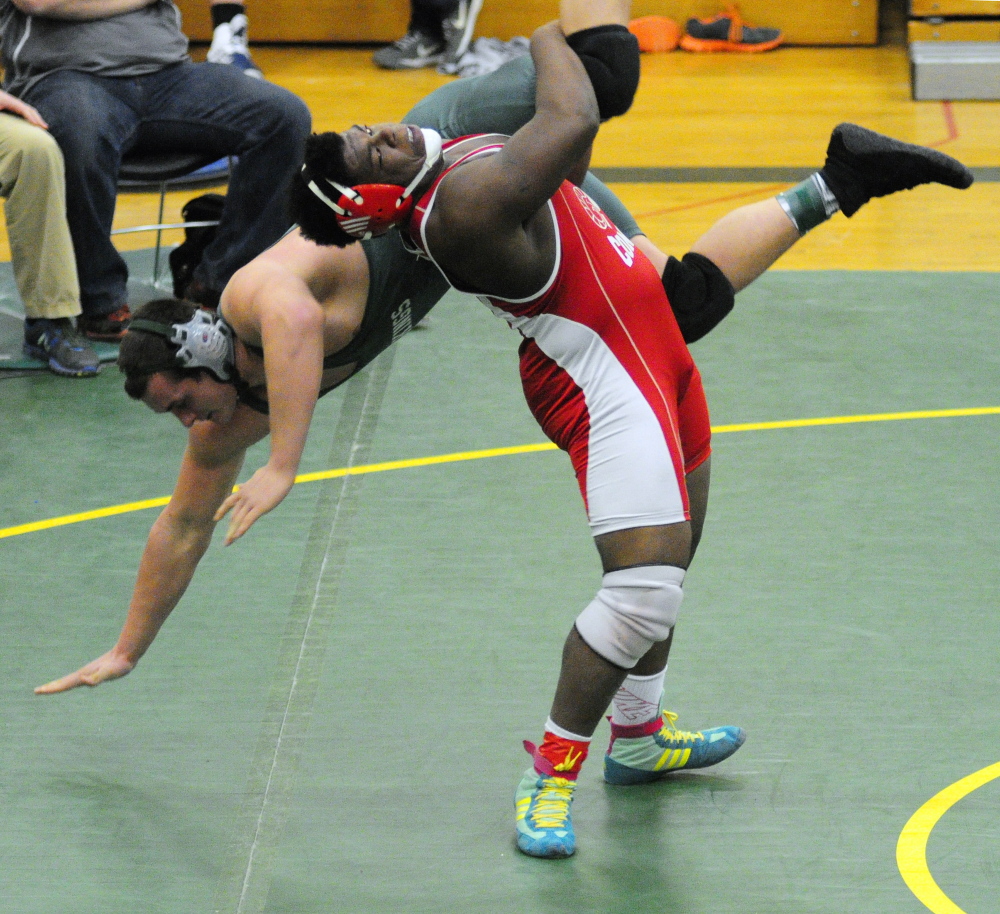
(368, 210)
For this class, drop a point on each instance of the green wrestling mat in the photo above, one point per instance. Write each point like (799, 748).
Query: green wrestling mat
(331, 721)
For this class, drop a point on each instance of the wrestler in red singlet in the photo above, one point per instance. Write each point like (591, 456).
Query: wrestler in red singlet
(603, 364)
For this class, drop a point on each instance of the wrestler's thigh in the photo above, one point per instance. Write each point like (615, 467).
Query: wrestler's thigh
(668, 544)
(627, 459)
(499, 102)
(697, 485)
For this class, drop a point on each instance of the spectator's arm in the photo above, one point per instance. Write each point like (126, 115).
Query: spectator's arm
(15, 106)
(80, 9)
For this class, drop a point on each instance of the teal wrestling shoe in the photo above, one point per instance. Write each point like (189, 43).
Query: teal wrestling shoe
(542, 803)
(647, 752)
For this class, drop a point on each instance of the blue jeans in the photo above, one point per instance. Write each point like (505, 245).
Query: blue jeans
(187, 107)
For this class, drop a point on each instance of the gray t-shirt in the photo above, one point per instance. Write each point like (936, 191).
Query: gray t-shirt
(131, 44)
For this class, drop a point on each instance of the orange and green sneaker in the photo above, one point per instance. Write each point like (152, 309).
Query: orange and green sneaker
(648, 752)
(728, 32)
(542, 803)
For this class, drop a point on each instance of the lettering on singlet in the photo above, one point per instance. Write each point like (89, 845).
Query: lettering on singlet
(616, 237)
(402, 320)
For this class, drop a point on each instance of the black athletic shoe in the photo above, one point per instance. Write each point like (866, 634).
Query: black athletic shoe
(57, 343)
(109, 328)
(412, 51)
(199, 294)
(861, 164)
(458, 30)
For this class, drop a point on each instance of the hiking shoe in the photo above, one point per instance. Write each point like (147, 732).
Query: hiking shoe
(458, 29)
(647, 752)
(229, 45)
(542, 802)
(412, 51)
(727, 32)
(861, 164)
(57, 343)
(107, 327)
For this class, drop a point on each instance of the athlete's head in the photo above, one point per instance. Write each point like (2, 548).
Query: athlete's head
(363, 182)
(177, 358)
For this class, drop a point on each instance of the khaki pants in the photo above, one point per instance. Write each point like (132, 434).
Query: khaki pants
(34, 189)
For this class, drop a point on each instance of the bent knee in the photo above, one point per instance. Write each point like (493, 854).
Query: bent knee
(39, 146)
(634, 609)
(610, 55)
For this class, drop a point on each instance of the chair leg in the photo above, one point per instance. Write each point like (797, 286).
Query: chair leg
(159, 235)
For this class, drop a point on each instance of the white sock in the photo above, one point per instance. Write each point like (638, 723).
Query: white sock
(554, 728)
(637, 699)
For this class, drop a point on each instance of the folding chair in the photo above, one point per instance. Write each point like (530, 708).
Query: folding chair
(162, 171)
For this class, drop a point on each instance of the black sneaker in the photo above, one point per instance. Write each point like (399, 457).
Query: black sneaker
(57, 343)
(861, 164)
(458, 29)
(727, 32)
(107, 327)
(412, 51)
(184, 258)
(199, 294)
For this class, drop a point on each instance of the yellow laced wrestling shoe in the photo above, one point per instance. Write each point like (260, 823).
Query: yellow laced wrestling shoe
(648, 752)
(542, 802)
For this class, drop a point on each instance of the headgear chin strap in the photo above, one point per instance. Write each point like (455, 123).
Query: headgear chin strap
(368, 210)
(205, 341)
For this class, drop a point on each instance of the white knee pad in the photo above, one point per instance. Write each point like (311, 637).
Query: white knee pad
(634, 609)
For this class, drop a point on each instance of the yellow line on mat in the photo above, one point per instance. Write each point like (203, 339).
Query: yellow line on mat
(498, 452)
(911, 849)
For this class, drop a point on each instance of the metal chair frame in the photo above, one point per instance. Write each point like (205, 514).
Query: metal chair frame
(162, 172)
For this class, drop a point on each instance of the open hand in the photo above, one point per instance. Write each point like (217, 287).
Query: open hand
(263, 492)
(104, 668)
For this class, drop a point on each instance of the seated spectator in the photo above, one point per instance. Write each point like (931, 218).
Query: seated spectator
(439, 33)
(33, 186)
(67, 62)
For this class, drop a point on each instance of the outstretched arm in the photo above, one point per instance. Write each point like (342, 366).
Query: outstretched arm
(176, 543)
(480, 227)
(538, 157)
(270, 305)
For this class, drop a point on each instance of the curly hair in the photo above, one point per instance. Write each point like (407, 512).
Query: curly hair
(143, 354)
(324, 155)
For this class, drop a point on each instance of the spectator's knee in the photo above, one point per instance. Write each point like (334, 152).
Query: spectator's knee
(40, 146)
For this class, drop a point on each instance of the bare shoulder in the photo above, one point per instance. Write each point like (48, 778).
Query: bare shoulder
(280, 277)
(291, 267)
(469, 204)
(482, 233)
(286, 260)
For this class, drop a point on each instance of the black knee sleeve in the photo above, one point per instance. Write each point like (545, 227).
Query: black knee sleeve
(610, 54)
(699, 292)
